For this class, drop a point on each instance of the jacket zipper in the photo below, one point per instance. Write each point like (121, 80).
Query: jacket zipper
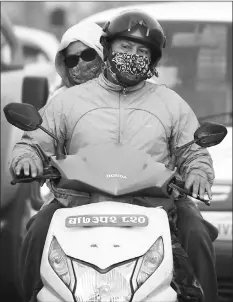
(119, 120)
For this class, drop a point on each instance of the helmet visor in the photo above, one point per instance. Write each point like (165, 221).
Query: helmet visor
(129, 24)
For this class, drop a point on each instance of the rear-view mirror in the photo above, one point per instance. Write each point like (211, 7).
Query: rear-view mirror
(209, 134)
(22, 116)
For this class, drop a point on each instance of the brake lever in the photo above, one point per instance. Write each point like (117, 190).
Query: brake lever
(187, 192)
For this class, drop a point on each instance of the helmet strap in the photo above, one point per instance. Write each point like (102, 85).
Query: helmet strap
(106, 48)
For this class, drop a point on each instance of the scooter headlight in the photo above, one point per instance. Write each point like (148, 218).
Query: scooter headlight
(151, 261)
(61, 264)
(111, 286)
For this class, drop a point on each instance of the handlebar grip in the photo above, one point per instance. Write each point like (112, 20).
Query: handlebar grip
(181, 189)
(23, 180)
(49, 173)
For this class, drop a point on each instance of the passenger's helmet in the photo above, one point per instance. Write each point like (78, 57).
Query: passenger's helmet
(137, 26)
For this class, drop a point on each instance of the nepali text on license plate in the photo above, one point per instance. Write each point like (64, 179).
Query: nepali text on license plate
(106, 220)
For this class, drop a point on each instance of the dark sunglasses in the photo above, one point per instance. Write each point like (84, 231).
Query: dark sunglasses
(87, 55)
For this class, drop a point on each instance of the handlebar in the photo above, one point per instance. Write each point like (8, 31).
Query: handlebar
(52, 173)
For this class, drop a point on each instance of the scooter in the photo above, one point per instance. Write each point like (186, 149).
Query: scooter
(109, 249)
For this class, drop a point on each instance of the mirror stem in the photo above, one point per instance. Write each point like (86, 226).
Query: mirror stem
(59, 153)
(186, 145)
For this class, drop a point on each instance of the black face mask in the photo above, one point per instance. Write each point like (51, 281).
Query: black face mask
(130, 69)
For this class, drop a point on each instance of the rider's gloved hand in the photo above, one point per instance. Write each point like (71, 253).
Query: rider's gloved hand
(197, 180)
(29, 166)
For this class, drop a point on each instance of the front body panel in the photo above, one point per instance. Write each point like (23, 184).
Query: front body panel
(103, 248)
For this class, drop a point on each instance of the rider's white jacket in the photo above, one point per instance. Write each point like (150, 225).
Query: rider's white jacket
(149, 117)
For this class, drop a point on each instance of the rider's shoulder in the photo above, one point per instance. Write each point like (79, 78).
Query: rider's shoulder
(166, 94)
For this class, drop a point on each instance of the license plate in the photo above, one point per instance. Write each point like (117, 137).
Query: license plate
(106, 221)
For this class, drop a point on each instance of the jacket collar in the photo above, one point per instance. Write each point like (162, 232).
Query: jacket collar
(105, 83)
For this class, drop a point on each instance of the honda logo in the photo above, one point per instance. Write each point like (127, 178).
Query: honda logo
(116, 176)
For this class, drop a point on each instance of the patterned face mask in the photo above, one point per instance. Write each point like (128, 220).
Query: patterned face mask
(85, 71)
(130, 69)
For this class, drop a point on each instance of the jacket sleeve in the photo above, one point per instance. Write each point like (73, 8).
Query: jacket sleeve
(54, 121)
(194, 158)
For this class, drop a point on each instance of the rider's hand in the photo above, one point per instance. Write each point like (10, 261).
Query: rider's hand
(199, 184)
(29, 166)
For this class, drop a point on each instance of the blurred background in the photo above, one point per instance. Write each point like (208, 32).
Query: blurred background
(196, 63)
(55, 16)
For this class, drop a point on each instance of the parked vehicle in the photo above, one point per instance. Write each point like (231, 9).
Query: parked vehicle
(37, 45)
(197, 64)
(16, 87)
(91, 251)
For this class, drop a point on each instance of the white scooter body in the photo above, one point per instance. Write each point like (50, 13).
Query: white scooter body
(104, 247)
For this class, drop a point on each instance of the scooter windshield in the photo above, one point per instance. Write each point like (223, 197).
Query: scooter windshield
(115, 169)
